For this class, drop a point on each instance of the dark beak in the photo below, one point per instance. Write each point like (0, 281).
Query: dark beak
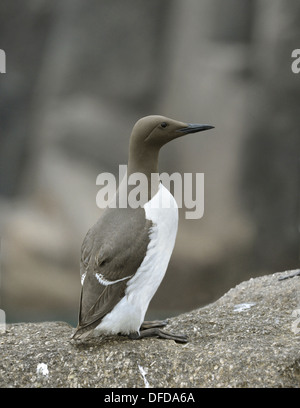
(194, 128)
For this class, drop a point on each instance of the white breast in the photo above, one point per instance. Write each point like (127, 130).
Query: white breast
(128, 315)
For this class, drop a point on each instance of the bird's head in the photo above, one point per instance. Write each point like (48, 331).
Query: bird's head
(155, 131)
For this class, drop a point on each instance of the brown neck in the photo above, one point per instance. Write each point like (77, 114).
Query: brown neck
(144, 160)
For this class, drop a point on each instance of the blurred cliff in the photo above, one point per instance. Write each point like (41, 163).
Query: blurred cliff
(80, 73)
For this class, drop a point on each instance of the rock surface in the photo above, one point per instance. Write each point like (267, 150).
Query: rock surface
(250, 337)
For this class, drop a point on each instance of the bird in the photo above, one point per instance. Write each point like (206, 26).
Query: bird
(125, 255)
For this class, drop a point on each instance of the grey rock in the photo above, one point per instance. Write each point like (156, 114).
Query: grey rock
(248, 338)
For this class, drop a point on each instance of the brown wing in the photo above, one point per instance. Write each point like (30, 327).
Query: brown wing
(112, 250)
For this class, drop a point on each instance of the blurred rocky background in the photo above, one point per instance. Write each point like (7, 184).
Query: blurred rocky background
(80, 73)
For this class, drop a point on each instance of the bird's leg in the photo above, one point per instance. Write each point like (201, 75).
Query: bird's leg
(156, 332)
(154, 323)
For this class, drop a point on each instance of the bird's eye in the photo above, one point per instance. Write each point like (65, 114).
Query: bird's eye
(164, 124)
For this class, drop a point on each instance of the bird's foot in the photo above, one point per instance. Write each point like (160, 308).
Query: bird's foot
(152, 324)
(156, 332)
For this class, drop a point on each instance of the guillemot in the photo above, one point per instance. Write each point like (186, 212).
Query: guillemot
(125, 255)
